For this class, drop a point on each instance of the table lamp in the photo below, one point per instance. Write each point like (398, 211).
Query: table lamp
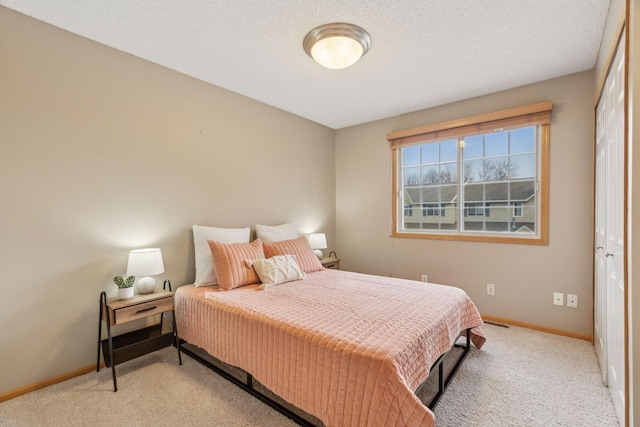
(143, 263)
(318, 241)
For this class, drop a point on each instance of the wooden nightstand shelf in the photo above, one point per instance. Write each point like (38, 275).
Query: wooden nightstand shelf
(133, 344)
(333, 263)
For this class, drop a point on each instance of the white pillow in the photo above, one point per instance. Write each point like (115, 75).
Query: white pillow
(205, 276)
(276, 270)
(276, 233)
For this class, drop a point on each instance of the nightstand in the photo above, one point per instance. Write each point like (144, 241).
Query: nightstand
(332, 263)
(133, 344)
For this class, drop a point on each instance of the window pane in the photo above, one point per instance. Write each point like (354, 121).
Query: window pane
(411, 155)
(473, 170)
(449, 151)
(500, 218)
(448, 173)
(496, 169)
(411, 218)
(411, 196)
(523, 166)
(521, 190)
(430, 193)
(412, 176)
(498, 191)
(429, 154)
(496, 144)
(473, 217)
(473, 147)
(430, 174)
(522, 140)
(527, 222)
(448, 195)
(474, 193)
(450, 219)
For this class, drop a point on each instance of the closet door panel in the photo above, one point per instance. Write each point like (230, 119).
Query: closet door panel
(609, 233)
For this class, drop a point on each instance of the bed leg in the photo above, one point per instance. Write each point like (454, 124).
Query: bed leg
(443, 382)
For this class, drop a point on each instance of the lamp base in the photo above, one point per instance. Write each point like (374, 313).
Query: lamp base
(146, 285)
(318, 253)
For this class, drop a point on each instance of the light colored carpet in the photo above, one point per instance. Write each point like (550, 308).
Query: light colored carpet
(527, 378)
(520, 378)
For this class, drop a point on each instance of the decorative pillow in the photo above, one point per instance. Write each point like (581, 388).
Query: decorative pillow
(229, 265)
(205, 276)
(276, 233)
(276, 270)
(307, 260)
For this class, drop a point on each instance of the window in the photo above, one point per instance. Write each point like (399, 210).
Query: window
(476, 209)
(432, 209)
(517, 209)
(483, 178)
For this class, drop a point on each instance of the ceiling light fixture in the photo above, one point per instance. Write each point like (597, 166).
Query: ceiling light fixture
(337, 45)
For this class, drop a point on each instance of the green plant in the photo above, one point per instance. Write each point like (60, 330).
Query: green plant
(124, 283)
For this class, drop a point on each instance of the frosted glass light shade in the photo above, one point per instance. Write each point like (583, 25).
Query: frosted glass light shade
(337, 45)
(145, 262)
(336, 52)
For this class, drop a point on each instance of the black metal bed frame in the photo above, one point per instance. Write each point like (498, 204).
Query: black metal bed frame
(443, 383)
(247, 386)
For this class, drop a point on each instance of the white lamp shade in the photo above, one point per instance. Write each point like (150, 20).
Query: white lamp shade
(145, 262)
(318, 241)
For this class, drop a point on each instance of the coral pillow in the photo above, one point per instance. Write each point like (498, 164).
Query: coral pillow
(276, 270)
(228, 263)
(307, 260)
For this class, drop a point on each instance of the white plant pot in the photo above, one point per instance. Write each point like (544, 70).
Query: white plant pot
(125, 293)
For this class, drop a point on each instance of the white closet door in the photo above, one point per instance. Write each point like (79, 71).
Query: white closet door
(615, 237)
(609, 233)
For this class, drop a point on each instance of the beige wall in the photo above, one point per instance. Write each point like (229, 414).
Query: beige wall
(525, 277)
(101, 153)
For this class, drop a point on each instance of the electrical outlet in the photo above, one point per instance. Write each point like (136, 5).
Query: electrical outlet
(558, 298)
(572, 301)
(425, 278)
(491, 289)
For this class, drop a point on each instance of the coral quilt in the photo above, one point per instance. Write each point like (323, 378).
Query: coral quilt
(348, 348)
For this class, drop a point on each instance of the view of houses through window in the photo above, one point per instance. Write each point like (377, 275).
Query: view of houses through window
(479, 183)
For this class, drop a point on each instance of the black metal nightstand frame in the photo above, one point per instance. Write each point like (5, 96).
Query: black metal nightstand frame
(122, 348)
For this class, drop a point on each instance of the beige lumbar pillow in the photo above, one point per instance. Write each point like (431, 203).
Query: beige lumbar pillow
(276, 270)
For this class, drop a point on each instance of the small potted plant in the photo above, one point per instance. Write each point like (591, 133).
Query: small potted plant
(125, 286)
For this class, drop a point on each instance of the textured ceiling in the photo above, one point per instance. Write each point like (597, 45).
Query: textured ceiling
(424, 53)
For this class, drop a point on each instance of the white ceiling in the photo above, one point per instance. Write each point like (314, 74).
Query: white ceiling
(424, 53)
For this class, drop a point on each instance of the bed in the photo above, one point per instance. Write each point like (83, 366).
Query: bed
(347, 348)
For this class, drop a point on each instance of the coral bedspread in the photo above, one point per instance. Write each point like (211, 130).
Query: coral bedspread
(348, 348)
